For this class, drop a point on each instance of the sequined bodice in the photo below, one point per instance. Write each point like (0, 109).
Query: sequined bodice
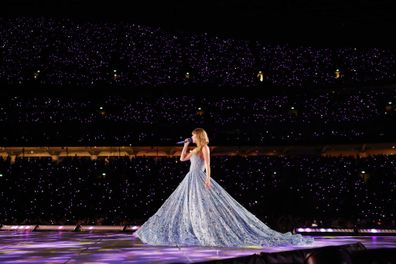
(197, 163)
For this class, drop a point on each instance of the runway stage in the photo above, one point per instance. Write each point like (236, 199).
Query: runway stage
(100, 247)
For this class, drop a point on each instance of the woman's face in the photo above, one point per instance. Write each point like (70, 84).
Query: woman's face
(194, 138)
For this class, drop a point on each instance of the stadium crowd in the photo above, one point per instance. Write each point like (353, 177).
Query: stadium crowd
(72, 52)
(283, 191)
(362, 115)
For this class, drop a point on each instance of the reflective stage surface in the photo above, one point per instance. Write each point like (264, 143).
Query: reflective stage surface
(83, 247)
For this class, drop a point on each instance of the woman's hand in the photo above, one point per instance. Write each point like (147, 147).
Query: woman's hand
(186, 142)
(208, 184)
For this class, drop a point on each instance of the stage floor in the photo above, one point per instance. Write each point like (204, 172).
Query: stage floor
(74, 247)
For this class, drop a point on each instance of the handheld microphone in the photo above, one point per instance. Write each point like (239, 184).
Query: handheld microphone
(182, 142)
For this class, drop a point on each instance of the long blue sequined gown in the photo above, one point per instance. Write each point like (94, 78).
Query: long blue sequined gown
(195, 216)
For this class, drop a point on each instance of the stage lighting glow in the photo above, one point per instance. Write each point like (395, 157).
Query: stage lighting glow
(346, 230)
(132, 228)
(260, 76)
(36, 74)
(101, 228)
(18, 227)
(377, 231)
(337, 74)
(55, 228)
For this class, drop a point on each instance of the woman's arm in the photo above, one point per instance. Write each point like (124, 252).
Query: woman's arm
(184, 156)
(206, 156)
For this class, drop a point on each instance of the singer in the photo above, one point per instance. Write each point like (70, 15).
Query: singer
(201, 213)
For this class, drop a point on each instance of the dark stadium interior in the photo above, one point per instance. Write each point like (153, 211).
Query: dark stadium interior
(298, 99)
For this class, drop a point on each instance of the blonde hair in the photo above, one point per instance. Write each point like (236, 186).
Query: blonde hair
(202, 139)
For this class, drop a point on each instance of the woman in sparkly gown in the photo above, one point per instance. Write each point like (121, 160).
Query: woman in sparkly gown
(200, 212)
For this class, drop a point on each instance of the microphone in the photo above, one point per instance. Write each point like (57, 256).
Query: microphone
(182, 142)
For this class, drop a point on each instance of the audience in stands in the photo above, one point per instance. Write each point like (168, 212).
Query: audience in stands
(284, 192)
(72, 52)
